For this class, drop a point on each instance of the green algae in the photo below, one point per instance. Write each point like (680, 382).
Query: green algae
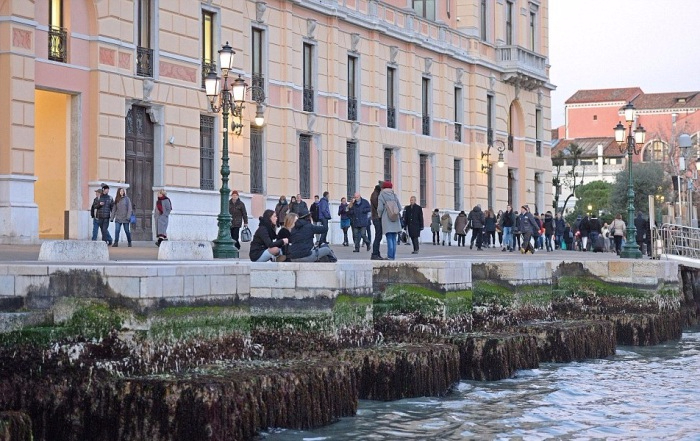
(493, 294)
(408, 299)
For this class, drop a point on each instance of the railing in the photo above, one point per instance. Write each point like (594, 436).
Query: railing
(391, 117)
(308, 99)
(352, 109)
(144, 61)
(676, 240)
(458, 132)
(426, 125)
(519, 58)
(58, 44)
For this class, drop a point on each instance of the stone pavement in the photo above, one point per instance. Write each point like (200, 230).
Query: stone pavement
(147, 251)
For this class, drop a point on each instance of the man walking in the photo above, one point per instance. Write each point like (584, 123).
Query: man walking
(377, 222)
(527, 225)
(103, 210)
(413, 219)
(476, 219)
(359, 211)
(93, 215)
(506, 223)
(324, 215)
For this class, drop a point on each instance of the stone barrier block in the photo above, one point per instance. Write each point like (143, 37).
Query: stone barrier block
(243, 284)
(74, 251)
(173, 286)
(130, 271)
(185, 250)
(223, 285)
(7, 285)
(125, 286)
(260, 293)
(28, 270)
(598, 268)
(282, 278)
(151, 287)
(317, 279)
(201, 285)
(620, 268)
(36, 283)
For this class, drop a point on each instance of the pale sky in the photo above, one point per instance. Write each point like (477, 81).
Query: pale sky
(602, 44)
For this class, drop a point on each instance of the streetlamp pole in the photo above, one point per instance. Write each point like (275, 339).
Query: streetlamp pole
(632, 142)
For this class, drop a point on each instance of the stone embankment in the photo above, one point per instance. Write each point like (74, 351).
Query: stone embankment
(106, 368)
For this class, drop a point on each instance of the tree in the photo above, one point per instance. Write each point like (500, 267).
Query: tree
(596, 194)
(569, 179)
(648, 179)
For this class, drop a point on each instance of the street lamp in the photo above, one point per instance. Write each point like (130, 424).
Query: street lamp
(632, 144)
(227, 99)
(501, 147)
(590, 209)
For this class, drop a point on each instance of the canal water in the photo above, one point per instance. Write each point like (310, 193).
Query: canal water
(640, 393)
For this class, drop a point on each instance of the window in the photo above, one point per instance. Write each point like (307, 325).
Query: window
(388, 161)
(595, 117)
(509, 23)
(58, 36)
(391, 97)
(489, 119)
(256, 160)
(352, 88)
(655, 151)
(351, 155)
(425, 8)
(538, 132)
(206, 152)
(458, 184)
(308, 78)
(305, 166)
(256, 69)
(144, 53)
(533, 30)
(426, 106)
(423, 180)
(458, 114)
(208, 57)
(484, 20)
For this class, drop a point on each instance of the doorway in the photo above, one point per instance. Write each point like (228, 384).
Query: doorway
(139, 170)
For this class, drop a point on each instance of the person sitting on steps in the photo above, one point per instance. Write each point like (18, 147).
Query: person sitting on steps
(265, 245)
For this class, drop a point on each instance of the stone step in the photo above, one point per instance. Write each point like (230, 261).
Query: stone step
(13, 321)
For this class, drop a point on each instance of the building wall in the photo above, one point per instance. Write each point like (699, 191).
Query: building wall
(99, 76)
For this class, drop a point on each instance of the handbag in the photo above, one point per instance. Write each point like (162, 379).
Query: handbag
(132, 218)
(612, 229)
(246, 235)
(455, 236)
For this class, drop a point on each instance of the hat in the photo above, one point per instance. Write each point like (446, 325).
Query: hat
(235, 192)
(105, 187)
(387, 184)
(98, 190)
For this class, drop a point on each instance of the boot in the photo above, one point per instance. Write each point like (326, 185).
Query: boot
(129, 244)
(116, 244)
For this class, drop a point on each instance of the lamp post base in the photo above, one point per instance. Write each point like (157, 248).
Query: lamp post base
(630, 251)
(224, 250)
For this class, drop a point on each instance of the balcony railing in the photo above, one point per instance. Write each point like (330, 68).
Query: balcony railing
(207, 66)
(258, 92)
(391, 117)
(308, 99)
(352, 109)
(58, 44)
(426, 125)
(458, 132)
(144, 61)
(521, 59)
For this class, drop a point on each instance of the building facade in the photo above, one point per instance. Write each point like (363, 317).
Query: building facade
(355, 91)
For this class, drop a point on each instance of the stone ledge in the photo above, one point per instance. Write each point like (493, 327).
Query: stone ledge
(185, 250)
(74, 251)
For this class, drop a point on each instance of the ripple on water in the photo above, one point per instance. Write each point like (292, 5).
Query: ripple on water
(641, 392)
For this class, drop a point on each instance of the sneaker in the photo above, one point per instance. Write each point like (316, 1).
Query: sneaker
(503, 249)
(367, 247)
(129, 245)
(471, 246)
(414, 252)
(356, 250)
(376, 257)
(522, 250)
(116, 244)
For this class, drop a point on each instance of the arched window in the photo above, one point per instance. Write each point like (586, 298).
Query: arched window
(655, 151)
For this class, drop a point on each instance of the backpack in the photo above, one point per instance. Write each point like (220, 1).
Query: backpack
(392, 209)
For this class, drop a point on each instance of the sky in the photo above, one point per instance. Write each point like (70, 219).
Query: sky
(602, 44)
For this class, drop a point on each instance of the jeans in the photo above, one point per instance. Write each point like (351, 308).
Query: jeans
(377, 236)
(358, 234)
(558, 241)
(508, 237)
(104, 228)
(267, 256)
(478, 236)
(548, 241)
(118, 228)
(235, 234)
(391, 245)
(323, 239)
(618, 244)
(436, 237)
(316, 254)
(446, 237)
(95, 227)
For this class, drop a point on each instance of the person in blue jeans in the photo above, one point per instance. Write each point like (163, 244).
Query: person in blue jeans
(93, 214)
(390, 227)
(506, 223)
(324, 215)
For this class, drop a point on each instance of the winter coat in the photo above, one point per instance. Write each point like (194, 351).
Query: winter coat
(527, 223)
(374, 202)
(281, 210)
(435, 223)
(121, 213)
(619, 226)
(584, 227)
(239, 215)
(388, 226)
(446, 223)
(461, 224)
(342, 212)
(301, 239)
(284, 233)
(507, 219)
(476, 217)
(93, 208)
(163, 209)
(594, 225)
(298, 207)
(359, 213)
(559, 225)
(314, 211)
(640, 225)
(324, 209)
(103, 211)
(263, 239)
(413, 219)
(548, 224)
(490, 224)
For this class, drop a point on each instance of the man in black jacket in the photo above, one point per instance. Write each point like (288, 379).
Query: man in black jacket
(359, 211)
(301, 241)
(413, 219)
(640, 225)
(476, 220)
(377, 222)
(103, 212)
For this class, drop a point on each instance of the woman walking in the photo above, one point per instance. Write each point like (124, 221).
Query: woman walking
(617, 230)
(461, 229)
(163, 209)
(239, 217)
(446, 226)
(344, 219)
(435, 226)
(121, 215)
(281, 210)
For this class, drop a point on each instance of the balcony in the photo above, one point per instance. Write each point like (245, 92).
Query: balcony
(352, 109)
(522, 67)
(308, 99)
(458, 132)
(391, 117)
(426, 125)
(144, 61)
(58, 44)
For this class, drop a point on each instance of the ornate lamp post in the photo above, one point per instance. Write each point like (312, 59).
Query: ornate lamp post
(231, 99)
(501, 147)
(631, 144)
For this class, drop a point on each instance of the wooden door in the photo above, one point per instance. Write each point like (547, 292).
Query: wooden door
(139, 170)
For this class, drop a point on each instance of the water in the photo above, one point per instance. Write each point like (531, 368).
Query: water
(640, 393)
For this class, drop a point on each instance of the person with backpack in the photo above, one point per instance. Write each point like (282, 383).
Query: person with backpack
(446, 228)
(389, 209)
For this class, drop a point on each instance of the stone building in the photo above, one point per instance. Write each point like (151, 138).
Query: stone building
(356, 91)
